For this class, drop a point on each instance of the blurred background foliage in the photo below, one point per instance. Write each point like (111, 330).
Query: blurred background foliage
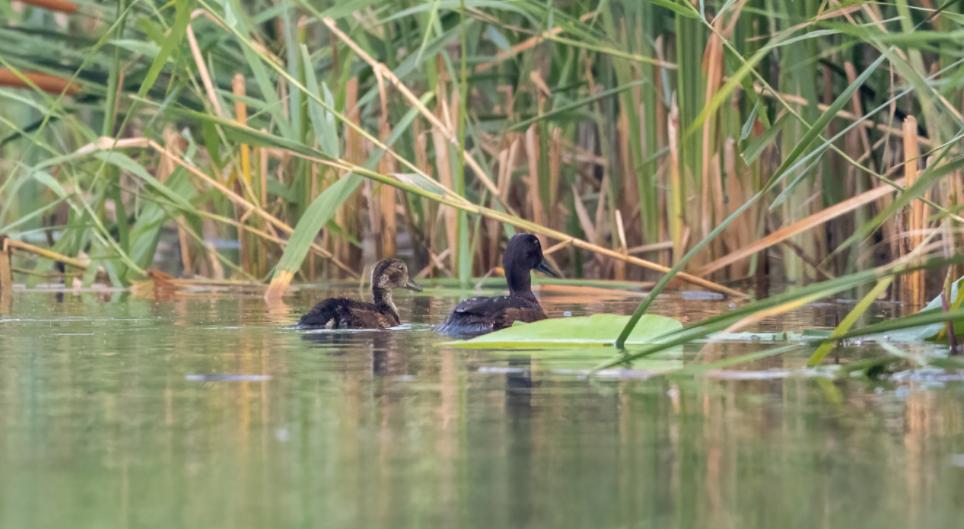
(303, 139)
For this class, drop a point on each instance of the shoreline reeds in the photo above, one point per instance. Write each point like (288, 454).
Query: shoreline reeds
(725, 147)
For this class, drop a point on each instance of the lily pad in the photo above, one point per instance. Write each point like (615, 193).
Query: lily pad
(931, 331)
(595, 330)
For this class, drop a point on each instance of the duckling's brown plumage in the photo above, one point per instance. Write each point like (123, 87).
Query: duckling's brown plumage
(485, 314)
(344, 313)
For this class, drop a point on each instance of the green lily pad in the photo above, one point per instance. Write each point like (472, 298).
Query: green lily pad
(931, 331)
(595, 330)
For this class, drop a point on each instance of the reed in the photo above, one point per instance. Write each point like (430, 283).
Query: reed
(798, 142)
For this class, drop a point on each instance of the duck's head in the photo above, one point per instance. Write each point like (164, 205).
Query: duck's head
(392, 273)
(524, 253)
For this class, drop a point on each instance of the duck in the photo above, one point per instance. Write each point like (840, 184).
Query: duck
(481, 315)
(344, 313)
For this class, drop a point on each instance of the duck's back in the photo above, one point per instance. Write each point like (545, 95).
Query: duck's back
(485, 314)
(343, 313)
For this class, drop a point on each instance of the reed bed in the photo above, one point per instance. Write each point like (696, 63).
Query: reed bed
(733, 145)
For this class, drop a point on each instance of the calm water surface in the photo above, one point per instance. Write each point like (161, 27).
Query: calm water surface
(205, 411)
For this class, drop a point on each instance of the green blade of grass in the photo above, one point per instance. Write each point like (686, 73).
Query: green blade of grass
(849, 320)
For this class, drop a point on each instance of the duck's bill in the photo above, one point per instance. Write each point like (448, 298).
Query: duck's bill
(546, 269)
(412, 286)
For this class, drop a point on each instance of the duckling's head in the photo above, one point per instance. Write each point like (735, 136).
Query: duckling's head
(524, 253)
(392, 273)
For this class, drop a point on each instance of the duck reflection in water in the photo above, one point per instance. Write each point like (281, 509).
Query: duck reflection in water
(387, 356)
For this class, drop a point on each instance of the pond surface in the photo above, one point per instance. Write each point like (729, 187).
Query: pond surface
(205, 411)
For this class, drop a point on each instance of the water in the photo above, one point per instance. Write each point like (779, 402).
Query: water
(205, 411)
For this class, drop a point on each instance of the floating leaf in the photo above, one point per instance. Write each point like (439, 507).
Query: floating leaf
(930, 331)
(595, 330)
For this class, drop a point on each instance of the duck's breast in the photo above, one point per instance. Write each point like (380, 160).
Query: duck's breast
(513, 314)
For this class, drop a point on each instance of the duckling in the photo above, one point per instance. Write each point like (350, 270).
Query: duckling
(342, 313)
(485, 314)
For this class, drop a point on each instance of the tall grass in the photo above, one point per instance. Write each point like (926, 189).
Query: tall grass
(734, 143)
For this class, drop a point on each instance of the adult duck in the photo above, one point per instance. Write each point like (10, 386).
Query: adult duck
(485, 314)
(343, 313)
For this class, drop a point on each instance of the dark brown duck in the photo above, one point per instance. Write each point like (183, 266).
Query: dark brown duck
(485, 314)
(343, 313)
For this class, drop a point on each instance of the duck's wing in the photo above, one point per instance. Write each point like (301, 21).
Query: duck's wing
(471, 317)
(481, 315)
(484, 306)
(346, 313)
(323, 313)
